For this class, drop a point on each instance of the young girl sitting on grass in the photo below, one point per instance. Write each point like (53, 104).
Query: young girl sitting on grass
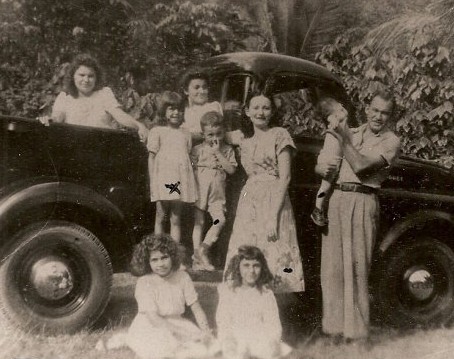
(334, 113)
(247, 316)
(172, 180)
(162, 292)
(213, 159)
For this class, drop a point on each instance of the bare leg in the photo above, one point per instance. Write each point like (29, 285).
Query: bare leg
(175, 220)
(322, 194)
(161, 210)
(214, 231)
(197, 233)
(201, 254)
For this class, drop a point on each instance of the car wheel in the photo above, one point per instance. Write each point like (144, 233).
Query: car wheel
(416, 284)
(56, 279)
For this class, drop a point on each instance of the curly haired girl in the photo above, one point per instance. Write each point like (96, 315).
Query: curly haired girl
(162, 292)
(247, 316)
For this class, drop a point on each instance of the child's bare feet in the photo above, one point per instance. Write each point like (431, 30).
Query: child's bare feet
(201, 260)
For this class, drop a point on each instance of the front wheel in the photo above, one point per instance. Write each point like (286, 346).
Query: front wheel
(416, 284)
(56, 279)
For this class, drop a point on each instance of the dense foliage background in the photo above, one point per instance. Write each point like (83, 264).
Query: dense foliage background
(422, 82)
(144, 46)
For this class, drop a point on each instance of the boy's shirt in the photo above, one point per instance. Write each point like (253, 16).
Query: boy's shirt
(202, 158)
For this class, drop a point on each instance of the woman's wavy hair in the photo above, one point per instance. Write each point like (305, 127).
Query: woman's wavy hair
(193, 74)
(140, 262)
(87, 61)
(246, 125)
(232, 274)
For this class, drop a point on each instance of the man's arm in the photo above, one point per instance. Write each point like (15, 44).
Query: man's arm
(363, 164)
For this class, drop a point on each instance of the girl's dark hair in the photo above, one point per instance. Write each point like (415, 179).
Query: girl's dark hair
(87, 61)
(168, 98)
(140, 262)
(192, 75)
(233, 275)
(246, 125)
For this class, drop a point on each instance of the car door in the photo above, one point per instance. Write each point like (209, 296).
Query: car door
(295, 96)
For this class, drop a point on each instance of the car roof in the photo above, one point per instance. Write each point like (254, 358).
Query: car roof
(263, 64)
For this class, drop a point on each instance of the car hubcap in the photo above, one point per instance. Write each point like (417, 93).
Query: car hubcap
(419, 283)
(51, 277)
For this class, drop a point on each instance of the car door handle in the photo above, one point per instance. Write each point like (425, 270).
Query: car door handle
(18, 127)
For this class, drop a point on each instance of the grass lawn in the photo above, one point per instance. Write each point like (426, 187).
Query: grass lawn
(385, 343)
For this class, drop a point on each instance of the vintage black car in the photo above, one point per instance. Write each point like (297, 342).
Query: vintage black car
(74, 200)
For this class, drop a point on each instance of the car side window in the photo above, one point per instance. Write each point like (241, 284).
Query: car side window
(235, 90)
(297, 112)
(296, 98)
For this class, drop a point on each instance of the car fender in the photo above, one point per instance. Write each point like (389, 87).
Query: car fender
(414, 220)
(35, 192)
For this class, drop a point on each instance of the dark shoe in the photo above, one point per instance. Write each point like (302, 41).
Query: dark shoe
(319, 218)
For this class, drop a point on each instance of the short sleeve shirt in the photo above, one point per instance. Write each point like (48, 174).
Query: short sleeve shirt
(166, 296)
(385, 144)
(202, 158)
(260, 155)
(86, 111)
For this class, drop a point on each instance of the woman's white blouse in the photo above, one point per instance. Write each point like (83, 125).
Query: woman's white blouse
(91, 111)
(193, 114)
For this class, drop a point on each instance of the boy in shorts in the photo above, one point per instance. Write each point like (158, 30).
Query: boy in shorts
(213, 159)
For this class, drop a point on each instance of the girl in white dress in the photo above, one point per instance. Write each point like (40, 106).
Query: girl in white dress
(162, 292)
(247, 316)
(195, 87)
(172, 180)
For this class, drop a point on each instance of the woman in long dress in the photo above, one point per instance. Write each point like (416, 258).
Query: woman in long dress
(264, 216)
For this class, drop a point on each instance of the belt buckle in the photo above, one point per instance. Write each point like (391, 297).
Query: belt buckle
(348, 187)
(355, 187)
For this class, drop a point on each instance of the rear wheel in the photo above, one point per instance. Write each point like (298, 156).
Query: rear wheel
(416, 284)
(56, 279)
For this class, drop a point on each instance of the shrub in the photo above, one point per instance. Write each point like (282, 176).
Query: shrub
(422, 82)
(143, 48)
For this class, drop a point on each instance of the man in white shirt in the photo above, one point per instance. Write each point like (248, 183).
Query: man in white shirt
(353, 215)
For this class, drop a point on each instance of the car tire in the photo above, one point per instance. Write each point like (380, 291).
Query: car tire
(415, 286)
(56, 279)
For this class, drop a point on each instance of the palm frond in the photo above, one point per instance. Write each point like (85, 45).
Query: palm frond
(399, 33)
(442, 8)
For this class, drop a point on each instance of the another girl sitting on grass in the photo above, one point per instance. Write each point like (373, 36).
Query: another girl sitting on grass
(162, 292)
(172, 181)
(334, 113)
(213, 160)
(247, 316)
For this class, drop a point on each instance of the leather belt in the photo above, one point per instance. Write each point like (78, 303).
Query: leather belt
(355, 187)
